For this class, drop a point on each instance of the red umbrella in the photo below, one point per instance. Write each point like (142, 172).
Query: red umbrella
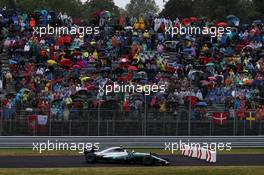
(76, 66)
(170, 69)
(186, 21)
(193, 99)
(134, 68)
(96, 13)
(76, 21)
(123, 79)
(205, 82)
(221, 24)
(66, 62)
(193, 19)
(211, 78)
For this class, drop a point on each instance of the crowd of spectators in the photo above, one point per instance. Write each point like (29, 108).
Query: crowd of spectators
(60, 75)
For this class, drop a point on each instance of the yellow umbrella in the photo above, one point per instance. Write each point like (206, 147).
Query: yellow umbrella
(93, 42)
(51, 62)
(85, 78)
(86, 54)
(95, 55)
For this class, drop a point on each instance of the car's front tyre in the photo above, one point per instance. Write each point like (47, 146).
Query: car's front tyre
(90, 158)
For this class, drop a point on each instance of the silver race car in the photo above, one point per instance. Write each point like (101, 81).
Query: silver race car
(121, 155)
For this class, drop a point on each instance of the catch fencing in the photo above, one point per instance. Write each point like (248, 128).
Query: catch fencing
(101, 126)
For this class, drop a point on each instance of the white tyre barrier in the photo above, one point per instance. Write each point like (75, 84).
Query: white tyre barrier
(193, 152)
(182, 149)
(201, 153)
(210, 156)
(186, 148)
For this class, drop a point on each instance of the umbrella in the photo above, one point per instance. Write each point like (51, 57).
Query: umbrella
(96, 13)
(257, 22)
(128, 28)
(163, 75)
(194, 74)
(123, 60)
(51, 62)
(23, 90)
(134, 68)
(205, 82)
(187, 50)
(13, 62)
(76, 66)
(211, 78)
(84, 78)
(231, 16)
(177, 66)
(248, 82)
(186, 21)
(56, 102)
(192, 99)
(193, 19)
(44, 12)
(81, 93)
(106, 69)
(66, 62)
(29, 109)
(105, 13)
(248, 47)
(37, 12)
(142, 73)
(82, 63)
(221, 24)
(233, 20)
(256, 82)
(201, 104)
(210, 64)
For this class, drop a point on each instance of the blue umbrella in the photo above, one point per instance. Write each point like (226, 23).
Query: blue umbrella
(44, 12)
(13, 62)
(256, 82)
(187, 50)
(233, 20)
(257, 22)
(231, 16)
(105, 69)
(201, 104)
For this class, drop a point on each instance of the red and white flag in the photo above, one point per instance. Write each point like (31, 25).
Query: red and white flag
(220, 117)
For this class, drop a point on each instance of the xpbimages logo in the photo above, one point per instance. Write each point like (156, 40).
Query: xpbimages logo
(64, 146)
(177, 146)
(131, 88)
(193, 30)
(57, 31)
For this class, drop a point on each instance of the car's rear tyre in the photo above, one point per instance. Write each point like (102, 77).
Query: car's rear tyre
(148, 160)
(90, 158)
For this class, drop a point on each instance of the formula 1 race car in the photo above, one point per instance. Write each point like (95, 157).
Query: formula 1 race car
(121, 155)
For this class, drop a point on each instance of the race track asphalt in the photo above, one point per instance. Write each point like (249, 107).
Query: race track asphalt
(78, 161)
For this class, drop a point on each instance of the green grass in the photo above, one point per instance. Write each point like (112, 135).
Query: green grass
(139, 171)
(30, 152)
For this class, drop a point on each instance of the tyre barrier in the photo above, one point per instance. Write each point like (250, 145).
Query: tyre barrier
(193, 152)
(199, 153)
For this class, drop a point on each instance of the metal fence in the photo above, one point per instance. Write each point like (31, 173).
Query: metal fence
(21, 127)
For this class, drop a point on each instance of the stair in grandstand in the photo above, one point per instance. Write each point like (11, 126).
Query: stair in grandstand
(10, 87)
(5, 61)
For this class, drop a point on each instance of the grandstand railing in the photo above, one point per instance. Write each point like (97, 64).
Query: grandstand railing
(130, 127)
